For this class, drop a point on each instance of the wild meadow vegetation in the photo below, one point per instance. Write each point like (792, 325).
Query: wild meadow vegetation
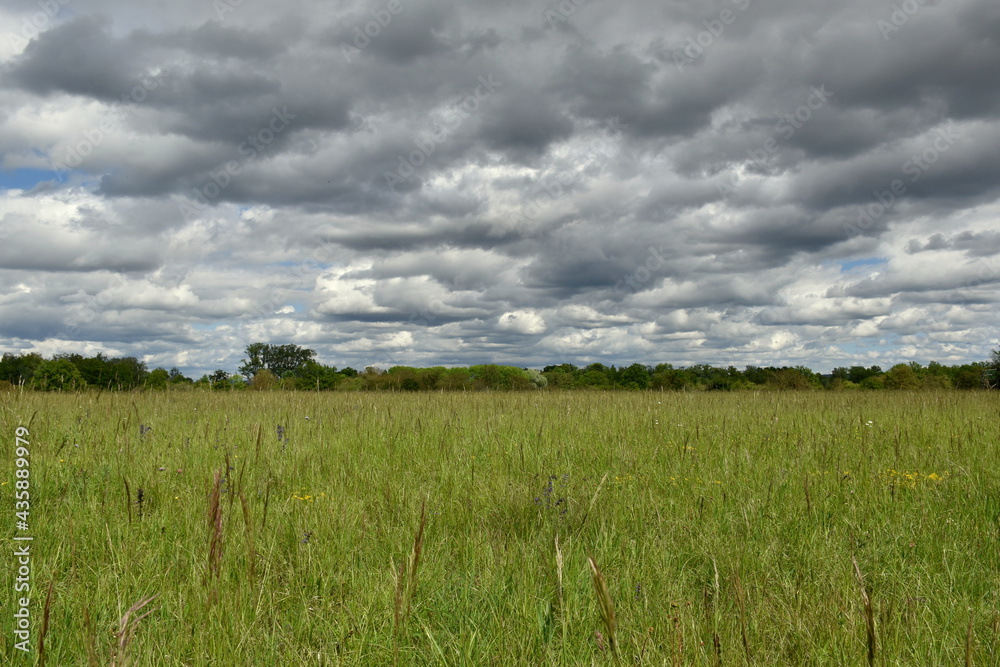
(517, 528)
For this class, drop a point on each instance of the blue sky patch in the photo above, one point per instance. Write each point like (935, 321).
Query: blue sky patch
(855, 263)
(26, 178)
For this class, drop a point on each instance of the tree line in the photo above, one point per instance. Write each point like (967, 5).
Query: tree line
(269, 367)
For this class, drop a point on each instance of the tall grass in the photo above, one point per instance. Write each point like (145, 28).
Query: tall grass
(724, 526)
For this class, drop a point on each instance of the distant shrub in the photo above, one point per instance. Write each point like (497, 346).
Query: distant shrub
(901, 376)
(537, 378)
(934, 382)
(263, 380)
(840, 384)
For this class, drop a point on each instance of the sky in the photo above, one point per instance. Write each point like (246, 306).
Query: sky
(433, 182)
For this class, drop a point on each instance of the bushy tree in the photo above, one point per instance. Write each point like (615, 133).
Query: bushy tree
(454, 379)
(57, 375)
(635, 376)
(537, 378)
(494, 376)
(19, 369)
(176, 377)
(593, 379)
(790, 378)
(158, 378)
(902, 376)
(282, 360)
(263, 380)
(314, 375)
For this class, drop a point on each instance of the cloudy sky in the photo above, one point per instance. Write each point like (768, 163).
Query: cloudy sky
(429, 182)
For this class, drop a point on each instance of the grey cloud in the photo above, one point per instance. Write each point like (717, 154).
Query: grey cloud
(524, 231)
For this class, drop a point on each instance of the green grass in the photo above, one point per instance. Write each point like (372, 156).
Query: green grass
(722, 516)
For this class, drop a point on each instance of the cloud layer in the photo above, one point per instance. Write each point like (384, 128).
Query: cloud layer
(732, 182)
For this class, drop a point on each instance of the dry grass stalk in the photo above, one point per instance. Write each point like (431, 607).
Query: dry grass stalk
(559, 574)
(418, 547)
(559, 587)
(645, 644)
(399, 575)
(592, 501)
(869, 615)
(260, 437)
(45, 626)
(128, 500)
(214, 534)
(406, 583)
(741, 602)
(808, 501)
(267, 500)
(89, 635)
(228, 475)
(251, 544)
(607, 607)
(127, 627)
(968, 642)
(679, 644)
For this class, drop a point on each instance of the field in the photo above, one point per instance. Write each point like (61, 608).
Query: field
(373, 529)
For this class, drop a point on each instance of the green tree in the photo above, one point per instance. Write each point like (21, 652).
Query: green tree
(593, 379)
(537, 378)
(992, 372)
(264, 380)
(282, 360)
(19, 369)
(902, 376)
(314, 375)
(176, 377)
(635, 376)
(126, 373)
(454, 379)
(858, 374)
(494, 376)
(57, 375)
(790, 378)
(158, 378)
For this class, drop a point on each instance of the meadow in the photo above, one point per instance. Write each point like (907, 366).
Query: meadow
(298, 528)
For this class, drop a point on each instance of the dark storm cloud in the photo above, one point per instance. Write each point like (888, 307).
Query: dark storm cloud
(80, 58)
(985, 244)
